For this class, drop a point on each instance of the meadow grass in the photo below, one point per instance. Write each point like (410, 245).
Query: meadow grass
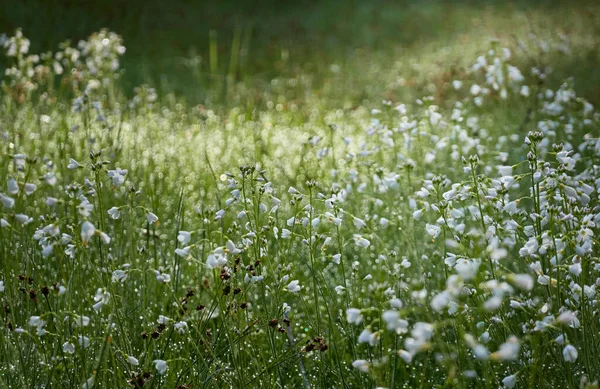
(392, 213)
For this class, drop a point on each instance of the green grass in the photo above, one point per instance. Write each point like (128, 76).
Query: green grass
(374, 43)
(283, 222)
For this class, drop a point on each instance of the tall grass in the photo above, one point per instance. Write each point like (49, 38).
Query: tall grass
(445, 242)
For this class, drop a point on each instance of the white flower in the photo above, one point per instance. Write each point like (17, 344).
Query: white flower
(394, 323)
(339, 289)
(360, 241)
(508, 351)
(184, 252)
(102, 297)
(433, 230)
(575, 269)
(396, 303)
(405, 355)
(1, 286)
(359, 223)
(570, 353)
(184, 237)
(118, 176)
(294, 286)
(151, 218)
(68, 347)
(162, 277)
(13, 187)
(47, 251)
(353, 315)
(161, 366)
(87, 231)
(231, 248)
(84, 341)
(215, 260)
(510, 381)
(133, 360)
(7, 202)
(523, 281)
(104, 237)
(114, 213)
(73, 164)
(366, 336)
(89, 383)
(29, 188)
(81, 321)
(23, 219)
(417, 214)
(181, 327)
(361, 365)
(50, 178)
(36, 321)
(119, 276)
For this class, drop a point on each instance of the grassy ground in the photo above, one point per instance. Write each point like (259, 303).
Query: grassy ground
(334, 194)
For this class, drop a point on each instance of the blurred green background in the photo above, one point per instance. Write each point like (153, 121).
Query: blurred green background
(344, 52)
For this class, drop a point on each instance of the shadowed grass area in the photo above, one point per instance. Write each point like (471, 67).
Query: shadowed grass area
(344, 52)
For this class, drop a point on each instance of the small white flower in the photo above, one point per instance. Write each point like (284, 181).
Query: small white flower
(89, 383)
(359, 223)
(184, 252)
(161, 366)
(360, 241)
(23, 219)
(367, 336)
(29, 188)
(508, 351)
(7, 202)
(353, 315)
(570, 353)
(294, 286)
(184, 237)
(73, 164)
(181, 327)
(119, 276)
(68, 347)
(433, 230)
(118, 176)
(163, 278)
(114, 213)
(84, 341)
(151, 218)
(337, 258)
(396, 303)
(510, 381)
(87, 231)
(362, 365)
(523, 281)
(133, 360)
(13, 187)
